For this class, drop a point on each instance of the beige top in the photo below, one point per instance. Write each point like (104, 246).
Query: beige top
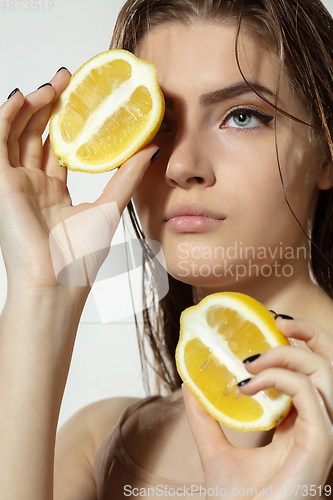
(142, 444)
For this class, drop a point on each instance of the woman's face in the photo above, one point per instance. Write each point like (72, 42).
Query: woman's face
(216, 190)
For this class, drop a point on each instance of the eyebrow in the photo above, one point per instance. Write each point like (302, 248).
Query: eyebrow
(227, 93)
(233, 91)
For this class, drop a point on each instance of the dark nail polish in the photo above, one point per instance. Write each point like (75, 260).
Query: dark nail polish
(273, 312)
(243, 382)
(44, 85)
(13, 92)
(251, 358)
(283, 316)
(155, 156)
(62, 67)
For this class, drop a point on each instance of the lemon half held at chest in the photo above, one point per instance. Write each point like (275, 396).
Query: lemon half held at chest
(216, 336)
(111, 108)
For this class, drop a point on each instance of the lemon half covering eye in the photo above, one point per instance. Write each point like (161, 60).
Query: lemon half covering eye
(111, 108)
(216, 335)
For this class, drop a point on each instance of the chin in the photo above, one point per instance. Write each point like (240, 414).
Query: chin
(199, 280)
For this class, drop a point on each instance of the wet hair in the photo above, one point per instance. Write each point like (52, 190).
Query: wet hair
(301, 34)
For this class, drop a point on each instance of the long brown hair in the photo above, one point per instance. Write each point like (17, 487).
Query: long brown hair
(301, 33)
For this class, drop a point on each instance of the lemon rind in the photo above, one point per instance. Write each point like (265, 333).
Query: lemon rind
(145, 74)
(274, 410)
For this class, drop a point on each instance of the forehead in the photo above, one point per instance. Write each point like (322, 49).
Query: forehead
(204, 53)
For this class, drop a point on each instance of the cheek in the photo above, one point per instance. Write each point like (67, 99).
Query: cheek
(300, 162)
(266, 171)
(250, 177)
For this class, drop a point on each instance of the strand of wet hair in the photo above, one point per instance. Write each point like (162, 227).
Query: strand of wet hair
(277, 108)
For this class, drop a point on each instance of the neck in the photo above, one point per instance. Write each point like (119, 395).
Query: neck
(255, 439)
(297, 296)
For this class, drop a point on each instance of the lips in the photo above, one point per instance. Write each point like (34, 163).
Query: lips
(191, 210)
(192, 218)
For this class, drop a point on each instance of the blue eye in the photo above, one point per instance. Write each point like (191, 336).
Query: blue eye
(246, 118)
(244, 121)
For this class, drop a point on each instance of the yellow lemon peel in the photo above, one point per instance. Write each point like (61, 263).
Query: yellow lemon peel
(111, 108)
(216, 336)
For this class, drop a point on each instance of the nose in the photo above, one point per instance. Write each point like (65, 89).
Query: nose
(189, 163)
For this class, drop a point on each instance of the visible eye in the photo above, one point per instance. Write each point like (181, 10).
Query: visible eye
(246, 118)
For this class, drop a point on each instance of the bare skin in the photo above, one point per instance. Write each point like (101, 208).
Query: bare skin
(34, 198)
(216, 160)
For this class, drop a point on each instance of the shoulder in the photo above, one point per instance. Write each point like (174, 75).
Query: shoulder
(77, 443)
(92, 423)
(155, 422)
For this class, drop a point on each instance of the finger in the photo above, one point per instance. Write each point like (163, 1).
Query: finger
(8, 111)
(50, 164)
(313, 428)
(32, 103)
(317, 338)
(206, 431)
(125, 181)
(30, 140)
(306, 398)
(38, 121)
(318, 368)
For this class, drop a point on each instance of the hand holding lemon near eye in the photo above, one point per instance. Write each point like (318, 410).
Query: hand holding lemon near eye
(216, 336)
(111, 108)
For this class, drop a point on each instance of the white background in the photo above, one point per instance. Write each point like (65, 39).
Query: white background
(34, 45)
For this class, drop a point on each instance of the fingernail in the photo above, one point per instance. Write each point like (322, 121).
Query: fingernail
(251, 358)
(155, 155)
(13, 92)
(44, 85)
(273, 312)
(243, 382)
(62, 67)
(283, 316)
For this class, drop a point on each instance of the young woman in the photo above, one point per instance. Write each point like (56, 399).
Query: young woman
(246, 162)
